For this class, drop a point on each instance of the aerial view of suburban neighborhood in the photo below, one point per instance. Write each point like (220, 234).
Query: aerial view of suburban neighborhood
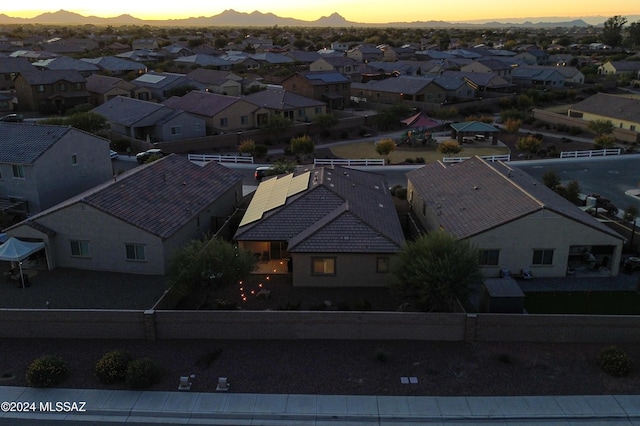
(250, 219)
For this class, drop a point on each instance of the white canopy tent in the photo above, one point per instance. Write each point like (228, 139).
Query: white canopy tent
(15, 250)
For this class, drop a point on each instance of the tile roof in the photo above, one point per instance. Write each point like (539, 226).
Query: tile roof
(23, 143)
(102, 83)
(475, 196)
(52, 76)
(115, 64)
(201, 103)
(160, 197)
(280, 100)
(396, 85)
(9, 65)
(621, 107)
(325, 77)
(128, 111)
(203, 60)
(343, 210)
(66, 63)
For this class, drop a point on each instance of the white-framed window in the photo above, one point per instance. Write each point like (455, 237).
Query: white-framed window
(176, 130)
(490, 257)
(135, 252)
(542, 257)
(80, 248)
(323, 266)
(40, 88)
(18, 171)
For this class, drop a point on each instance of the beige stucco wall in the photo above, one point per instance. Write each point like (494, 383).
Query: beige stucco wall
(543, 230)
(352, 270)
(516, 240)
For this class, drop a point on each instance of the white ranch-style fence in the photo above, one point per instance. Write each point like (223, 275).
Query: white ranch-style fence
(348, 162)
(205, 158)
(591, 153)
(492, 158)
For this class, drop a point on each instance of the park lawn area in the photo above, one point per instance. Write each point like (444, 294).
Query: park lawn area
(358, 150)
(583, 302)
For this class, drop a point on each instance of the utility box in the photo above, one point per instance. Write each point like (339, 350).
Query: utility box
(502, 296)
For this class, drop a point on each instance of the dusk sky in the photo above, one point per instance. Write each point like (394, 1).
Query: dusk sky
(367, 11)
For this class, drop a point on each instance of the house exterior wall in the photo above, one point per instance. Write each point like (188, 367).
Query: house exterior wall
(516, 240)
(351, 270)
(182, 126)
(542, 230)
(237, 117)
(53, 177)
(617, 123)
(31, 99)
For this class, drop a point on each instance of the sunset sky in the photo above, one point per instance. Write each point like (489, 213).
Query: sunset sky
(368, 11)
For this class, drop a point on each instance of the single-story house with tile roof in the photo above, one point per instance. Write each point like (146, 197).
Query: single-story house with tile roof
(67, 63)
(202, 60)
(42, 165)
(480, 81)
(327, 227)
(469, 129)
(134, 223)
(117, 66)
(622, 110)
(221, 113)
(537, 77)
(102, 88)
(279, 101)
(395, 89)
(514, 220)
(160, 84)
(631, 68)
(149, 120)
(215, 81)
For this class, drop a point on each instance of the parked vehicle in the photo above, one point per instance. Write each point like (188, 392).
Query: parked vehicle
(113, 154)
(262, 172)
(13, 118)
(141, 157)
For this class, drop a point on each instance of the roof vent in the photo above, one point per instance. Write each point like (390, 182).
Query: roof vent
(475, 188)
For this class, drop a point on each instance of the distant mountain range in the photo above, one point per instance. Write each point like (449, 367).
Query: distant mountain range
(231, 18)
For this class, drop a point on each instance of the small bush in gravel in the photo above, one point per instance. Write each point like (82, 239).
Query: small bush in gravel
(112, 367)
(46, 371)
(143, 373)
(615, 361)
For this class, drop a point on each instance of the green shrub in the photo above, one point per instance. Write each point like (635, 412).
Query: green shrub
(112, 367)
(46, 371)
(615, 361)
(420, 160)
(143, 373)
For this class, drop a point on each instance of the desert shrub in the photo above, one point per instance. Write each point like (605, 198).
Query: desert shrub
(615, 361)
(46, 371)
(143, 373)
(260, 151)
(401, 193)
(112, 367)
(420, 160)
(409, 160)
(121, 145)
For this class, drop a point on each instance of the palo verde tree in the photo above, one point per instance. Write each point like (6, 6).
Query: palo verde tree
(436, 270)
(601, 126)
(204, 265)
(385, 147)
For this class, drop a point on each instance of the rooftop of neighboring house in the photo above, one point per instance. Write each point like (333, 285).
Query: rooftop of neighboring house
(475, 196)
(66, 63)
(52, 76)
(621, 107)
(128, 111)
(280, 99)
(160, 197)
(24, 143)
(201, 103)
(326, 209)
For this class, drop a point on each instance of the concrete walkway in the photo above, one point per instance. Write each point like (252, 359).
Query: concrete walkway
(88, 406)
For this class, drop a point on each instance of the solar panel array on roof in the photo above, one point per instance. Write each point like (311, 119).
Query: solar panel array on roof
(150, 78)
(273, 193)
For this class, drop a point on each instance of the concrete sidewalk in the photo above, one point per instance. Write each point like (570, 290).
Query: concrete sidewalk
(88, 406)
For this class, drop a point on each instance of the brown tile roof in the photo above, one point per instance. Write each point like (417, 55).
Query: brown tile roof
(160, 197)
(621, 107)
(343, 210)
(475, 196)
